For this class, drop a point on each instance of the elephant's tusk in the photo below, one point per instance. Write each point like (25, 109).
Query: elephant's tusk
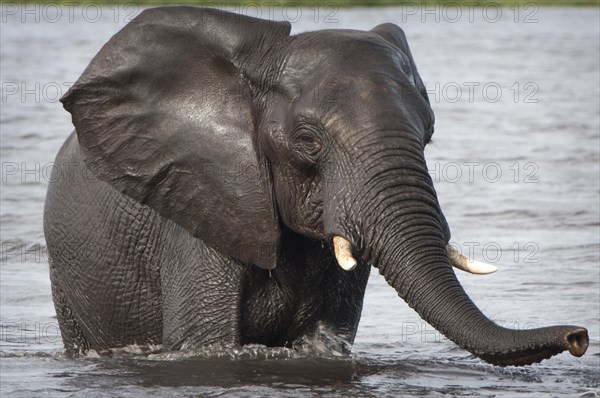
(343, 253)
(464, 263)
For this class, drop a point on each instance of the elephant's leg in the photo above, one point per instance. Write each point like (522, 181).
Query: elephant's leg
(201, 295)
(342, 295)
(72, 335)
(104, 267)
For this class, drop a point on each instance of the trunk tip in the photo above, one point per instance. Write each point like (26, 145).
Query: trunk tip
(577, 341)
(572, 338)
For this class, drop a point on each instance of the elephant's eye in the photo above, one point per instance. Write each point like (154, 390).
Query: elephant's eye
(307, 139)
(308, 144)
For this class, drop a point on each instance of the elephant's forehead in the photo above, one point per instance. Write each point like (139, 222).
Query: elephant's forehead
(344, 51)
(342, 65)
(351, 79)
(360, 104)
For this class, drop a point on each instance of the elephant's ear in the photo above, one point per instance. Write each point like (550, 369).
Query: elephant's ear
(163, 113)
(395, 35)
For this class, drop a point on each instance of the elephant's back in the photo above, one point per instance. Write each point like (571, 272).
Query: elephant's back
(103, 254)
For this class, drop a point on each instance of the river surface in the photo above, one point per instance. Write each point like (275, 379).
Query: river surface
(515, 158)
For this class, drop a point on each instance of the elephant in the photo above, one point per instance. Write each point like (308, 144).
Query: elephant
(236, 183)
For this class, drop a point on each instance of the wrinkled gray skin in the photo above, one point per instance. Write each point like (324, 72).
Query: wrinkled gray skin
(214, 159)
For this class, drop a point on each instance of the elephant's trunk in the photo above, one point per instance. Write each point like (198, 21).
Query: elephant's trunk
(428, 284)
(406, 241)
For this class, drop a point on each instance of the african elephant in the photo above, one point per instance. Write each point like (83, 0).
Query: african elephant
(238, 183)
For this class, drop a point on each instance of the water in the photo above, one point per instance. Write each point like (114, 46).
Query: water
(515, 158)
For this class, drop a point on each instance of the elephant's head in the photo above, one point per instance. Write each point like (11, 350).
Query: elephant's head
(231, 127)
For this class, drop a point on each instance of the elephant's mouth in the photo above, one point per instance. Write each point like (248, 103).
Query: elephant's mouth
(346, 260)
